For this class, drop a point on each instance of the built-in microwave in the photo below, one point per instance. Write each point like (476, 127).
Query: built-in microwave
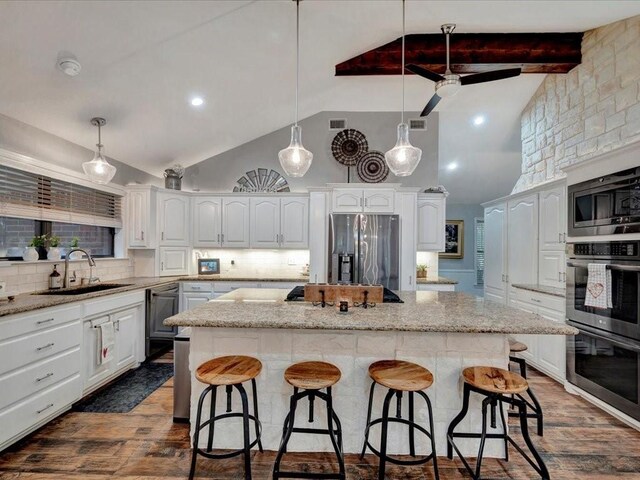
(605, 205)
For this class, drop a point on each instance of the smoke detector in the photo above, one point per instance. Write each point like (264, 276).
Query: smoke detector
(70, 66)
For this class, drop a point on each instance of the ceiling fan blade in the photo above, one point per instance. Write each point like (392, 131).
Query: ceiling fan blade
(431, 105)
(423, 72)
(490, 76)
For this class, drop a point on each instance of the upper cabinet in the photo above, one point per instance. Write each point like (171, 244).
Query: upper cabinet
(207, 221)
(174, 219)
(235, 222)
(495, 239)
(363, 200)
(141, 214)
(522, 239)
(294, 222)
(265, 222)
(279, 222)
(553, 219)
(431, 222)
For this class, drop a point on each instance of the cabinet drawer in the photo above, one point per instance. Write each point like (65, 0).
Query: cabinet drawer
(39, 407)
(541, 300)
(198, 287)
(38, 346)
(22, 323)
(224, 287)
(38, 376)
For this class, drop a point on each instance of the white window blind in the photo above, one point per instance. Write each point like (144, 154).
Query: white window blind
(479, 250)
(29, 195)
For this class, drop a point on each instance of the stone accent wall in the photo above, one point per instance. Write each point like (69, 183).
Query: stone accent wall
(593, 109)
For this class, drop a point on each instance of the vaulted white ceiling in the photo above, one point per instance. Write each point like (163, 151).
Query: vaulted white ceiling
(143, 61)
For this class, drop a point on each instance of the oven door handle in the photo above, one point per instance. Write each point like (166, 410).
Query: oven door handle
(626, 268)
(631, 345)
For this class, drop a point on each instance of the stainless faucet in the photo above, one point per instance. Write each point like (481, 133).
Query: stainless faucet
(92, 263)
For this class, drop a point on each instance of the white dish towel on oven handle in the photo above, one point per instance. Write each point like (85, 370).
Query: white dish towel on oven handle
(598, 294)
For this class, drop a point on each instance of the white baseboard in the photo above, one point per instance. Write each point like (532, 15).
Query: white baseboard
(623, 417)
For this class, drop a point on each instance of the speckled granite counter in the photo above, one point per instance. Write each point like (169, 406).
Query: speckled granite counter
(436, 281)
(421, 312)
(555, 291)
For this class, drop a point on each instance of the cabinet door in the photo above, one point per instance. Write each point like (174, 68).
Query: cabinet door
(495, 253)
(207, 222)
(551, 269)
(379, 200)
(93, 373)
(347, 200)
(522, 240)
(294, 222)
(235, 222)
(192, 300)
(531, 341)
(138, 221)
(174, 261)
(126, 327)
(174, 219)
(431, 220)
(553, 221)
(265, 222)
(552, 348)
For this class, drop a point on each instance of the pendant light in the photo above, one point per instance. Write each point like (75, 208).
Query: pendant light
(99, 170)
(404, 157)
(295, 159)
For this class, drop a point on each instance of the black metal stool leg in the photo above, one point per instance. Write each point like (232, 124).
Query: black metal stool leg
(245, 428)
(196, 435)
(412, 436)
(454, 423)
(212, 414)
(524, 427)
(383, 438)
(366, 430)
(504, 429)
(287, 434)
(483, 436)
(538, 411)
(332, 435)
(255, 413)
(433, 436)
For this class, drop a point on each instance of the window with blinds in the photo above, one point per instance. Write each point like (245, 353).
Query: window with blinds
(479, 250)
(28, 195)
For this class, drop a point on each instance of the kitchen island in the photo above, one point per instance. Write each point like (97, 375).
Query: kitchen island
(442, 331)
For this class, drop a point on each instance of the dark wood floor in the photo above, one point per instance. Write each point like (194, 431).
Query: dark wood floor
(580, 442)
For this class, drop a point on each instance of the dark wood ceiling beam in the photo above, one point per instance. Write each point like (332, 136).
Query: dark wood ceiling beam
(472, 53)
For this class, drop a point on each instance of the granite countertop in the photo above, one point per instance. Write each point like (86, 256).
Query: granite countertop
(421, 312)
(26, 302)
(437, 280)
(535, 287)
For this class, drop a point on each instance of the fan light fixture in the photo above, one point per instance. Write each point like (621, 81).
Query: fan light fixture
(99, 170)
(404, 157)
(295, 159)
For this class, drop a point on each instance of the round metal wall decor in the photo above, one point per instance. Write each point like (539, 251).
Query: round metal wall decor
(262, 180)
(372, 168)
(348, 146)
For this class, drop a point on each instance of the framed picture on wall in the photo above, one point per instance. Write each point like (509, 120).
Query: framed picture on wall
(453, 239)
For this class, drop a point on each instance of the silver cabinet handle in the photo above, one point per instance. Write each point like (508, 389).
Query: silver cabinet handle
(48, 345)
(218, 238)
(281, 238)
(536, 300)
(142, 234)
(277, 238)
(162, 236)
(116, 325)
(42, 322)
(196, 287)
(223, 238)
(560, 276)
(50, 374)
(162, 266)
(564, 277)
(410, 280)
(38, 412)
(559, 237)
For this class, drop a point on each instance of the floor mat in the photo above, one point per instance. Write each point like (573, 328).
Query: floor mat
(127, 391)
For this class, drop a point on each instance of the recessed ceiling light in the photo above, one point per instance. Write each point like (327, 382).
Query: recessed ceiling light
(197, 101)
(452, 166)
(478, 120)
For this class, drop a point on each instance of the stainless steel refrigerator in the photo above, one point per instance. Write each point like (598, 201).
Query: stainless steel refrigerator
(364, 249)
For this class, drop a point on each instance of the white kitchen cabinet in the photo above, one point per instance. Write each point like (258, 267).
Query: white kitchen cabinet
(553, 219)
(94, 372)
(193, 294)
(431, 222)
(279, 222)
(551, 268)
(192, 300)
(174, 261)
(522, 240)
(126, 328)
(173, 211)
(294, 222)
(265, 222)
(495, 236)
(363, 200)
(207, 221)
(141, 215)
(235, 222)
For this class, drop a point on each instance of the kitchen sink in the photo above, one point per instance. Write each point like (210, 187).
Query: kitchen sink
(99, 287)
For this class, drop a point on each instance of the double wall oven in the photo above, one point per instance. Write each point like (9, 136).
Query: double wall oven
(604, 358)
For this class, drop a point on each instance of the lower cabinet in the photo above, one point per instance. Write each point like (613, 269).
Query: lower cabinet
(546, 353)
(174, 261)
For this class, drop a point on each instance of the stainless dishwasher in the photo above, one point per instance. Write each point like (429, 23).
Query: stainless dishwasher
(162, 303)
(181, 377)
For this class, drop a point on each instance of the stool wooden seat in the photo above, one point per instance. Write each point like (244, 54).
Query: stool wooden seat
(400, 375)
(515, 346)
(229, 370)
(312, 375)
(495, 380)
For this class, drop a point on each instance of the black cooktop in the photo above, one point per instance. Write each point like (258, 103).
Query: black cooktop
(297, 295)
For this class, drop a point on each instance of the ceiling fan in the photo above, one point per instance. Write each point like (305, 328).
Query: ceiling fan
(448, 84)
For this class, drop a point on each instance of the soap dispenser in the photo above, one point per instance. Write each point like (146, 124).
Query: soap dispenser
(55, 279)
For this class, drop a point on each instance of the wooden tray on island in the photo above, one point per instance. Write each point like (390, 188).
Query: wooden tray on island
(337, 292)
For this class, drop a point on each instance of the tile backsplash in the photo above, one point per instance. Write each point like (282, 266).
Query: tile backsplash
(34, 276)
(258, 263)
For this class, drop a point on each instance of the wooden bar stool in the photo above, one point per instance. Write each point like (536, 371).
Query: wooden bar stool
(307, 379)
(497, 386)
(230, 372)
(399, 376)
(535, 408)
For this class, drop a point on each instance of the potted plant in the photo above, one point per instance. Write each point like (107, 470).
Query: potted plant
(421, 271)
(53, 250)
(75, 243)
(35, 250)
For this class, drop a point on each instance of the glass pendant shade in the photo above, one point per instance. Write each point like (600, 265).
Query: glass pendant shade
(99, 170)
(295, 159)
(404, 157)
